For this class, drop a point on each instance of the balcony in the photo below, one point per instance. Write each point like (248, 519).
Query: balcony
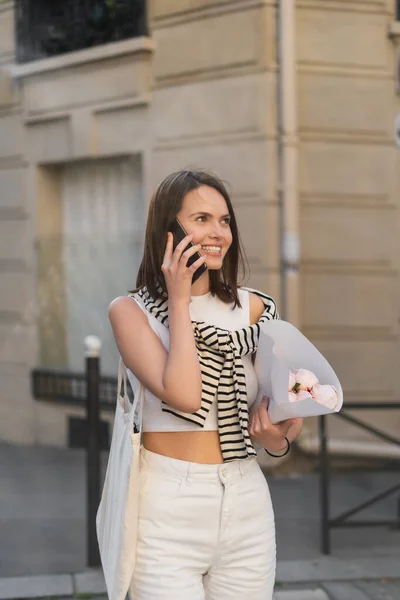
(47, 28)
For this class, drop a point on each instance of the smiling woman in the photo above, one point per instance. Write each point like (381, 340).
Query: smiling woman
(190, 346)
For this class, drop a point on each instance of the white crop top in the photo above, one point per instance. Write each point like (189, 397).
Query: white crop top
(209, 309)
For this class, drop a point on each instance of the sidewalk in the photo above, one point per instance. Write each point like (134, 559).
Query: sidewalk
(325, 579)
(42, 533)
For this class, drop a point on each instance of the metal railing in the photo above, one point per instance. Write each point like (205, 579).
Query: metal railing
(68, 387)
(93, 392)
(327, 521)
(45, 28)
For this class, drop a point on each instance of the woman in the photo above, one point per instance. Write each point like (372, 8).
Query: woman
(206, 524)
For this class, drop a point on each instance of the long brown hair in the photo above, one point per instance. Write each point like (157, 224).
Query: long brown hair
(165, 204)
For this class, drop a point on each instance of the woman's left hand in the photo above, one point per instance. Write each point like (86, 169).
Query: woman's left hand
(269, 436)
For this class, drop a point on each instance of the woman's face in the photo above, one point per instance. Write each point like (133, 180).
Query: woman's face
(205, 214)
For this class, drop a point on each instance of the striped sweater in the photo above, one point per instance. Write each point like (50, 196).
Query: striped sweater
(220, 355)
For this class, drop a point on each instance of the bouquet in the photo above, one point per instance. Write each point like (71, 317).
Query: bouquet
(304, 384)
(295, 376)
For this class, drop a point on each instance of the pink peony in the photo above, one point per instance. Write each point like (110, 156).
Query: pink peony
(305, 379)
(292, 397)
(302, 395)
(292, 381)
(325, 394)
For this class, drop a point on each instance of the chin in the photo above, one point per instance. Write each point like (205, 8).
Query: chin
(215, 264)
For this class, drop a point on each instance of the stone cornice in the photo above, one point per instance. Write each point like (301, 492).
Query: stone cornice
(137, 45)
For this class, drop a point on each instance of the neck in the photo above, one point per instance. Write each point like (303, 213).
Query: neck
(202, 285)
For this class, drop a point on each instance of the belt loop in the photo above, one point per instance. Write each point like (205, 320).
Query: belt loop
(188, 473)
(245, 466)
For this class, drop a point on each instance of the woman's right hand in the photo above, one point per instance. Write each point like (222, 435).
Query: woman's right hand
(178, 277)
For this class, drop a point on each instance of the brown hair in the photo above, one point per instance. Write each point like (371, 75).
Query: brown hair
(165, 204)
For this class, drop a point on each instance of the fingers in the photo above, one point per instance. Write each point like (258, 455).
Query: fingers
(171, 256)
(260, 418)
(265, 401)
(271, 435)
(181, 248)
(189, 252)
(295, 429)
(193, 268)
(168, 249)
(284, 426)
(261, 422)
(264, 416)
(183, 265)
(255, 426)
(182, 258)
(176, 261)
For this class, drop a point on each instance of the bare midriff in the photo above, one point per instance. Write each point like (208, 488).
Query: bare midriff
(193, 446)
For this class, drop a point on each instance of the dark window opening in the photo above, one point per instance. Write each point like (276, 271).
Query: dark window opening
(46, 28)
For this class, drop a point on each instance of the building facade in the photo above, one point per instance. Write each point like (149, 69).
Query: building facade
(88, 129)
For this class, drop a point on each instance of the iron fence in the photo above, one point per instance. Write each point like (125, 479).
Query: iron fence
(46, 28)
(342, 520)
(68, 387)
(89, 390)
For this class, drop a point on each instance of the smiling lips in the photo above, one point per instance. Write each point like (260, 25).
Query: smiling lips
(212, 249)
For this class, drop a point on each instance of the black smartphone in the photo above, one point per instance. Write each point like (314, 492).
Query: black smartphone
(179, 233)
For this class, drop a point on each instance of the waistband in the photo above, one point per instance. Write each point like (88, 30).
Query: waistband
(184, 469)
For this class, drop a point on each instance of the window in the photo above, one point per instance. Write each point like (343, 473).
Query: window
(47, 28)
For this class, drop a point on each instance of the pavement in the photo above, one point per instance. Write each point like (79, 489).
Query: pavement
(43, 532)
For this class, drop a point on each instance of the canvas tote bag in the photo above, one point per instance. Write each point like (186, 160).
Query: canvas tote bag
(117, 515)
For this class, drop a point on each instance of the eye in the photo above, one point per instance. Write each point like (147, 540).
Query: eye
(227, 220)
(201, 218)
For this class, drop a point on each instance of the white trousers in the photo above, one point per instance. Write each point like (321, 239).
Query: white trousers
(206, 532)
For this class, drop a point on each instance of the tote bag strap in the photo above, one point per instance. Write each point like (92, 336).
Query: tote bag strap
(138, 401)
(123, 397)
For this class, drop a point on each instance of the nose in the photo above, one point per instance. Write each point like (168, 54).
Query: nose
(216, 231)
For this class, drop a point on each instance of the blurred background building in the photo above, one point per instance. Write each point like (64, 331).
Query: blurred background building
(293, 105)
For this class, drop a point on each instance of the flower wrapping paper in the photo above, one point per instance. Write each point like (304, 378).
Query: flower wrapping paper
(283, 348)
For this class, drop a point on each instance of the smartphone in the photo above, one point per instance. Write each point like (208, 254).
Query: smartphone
(179, 233)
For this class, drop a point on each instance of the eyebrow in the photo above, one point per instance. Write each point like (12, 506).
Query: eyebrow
(207, 214)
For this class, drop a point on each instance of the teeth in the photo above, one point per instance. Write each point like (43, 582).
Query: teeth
(212, 248)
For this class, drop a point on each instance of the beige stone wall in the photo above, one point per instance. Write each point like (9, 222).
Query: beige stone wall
(214, 107)
(209, 104)
(17, 324)
(349, 188)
